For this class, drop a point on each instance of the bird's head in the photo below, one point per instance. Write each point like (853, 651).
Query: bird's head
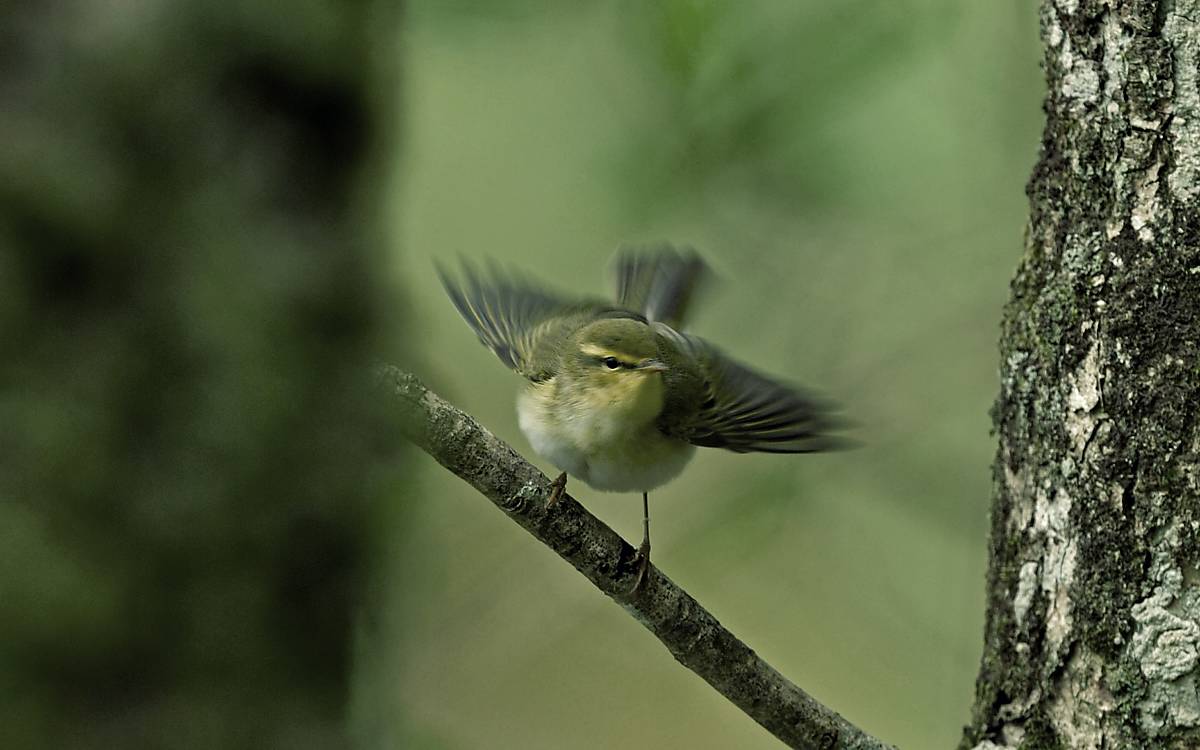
(615, 360)
(618, 348)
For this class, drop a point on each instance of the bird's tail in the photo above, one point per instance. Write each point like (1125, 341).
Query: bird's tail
(659, 281)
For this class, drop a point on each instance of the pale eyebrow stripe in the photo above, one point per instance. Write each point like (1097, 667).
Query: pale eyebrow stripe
(598, 351)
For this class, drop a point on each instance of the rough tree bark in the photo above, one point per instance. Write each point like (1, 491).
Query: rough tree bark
(1093, 605)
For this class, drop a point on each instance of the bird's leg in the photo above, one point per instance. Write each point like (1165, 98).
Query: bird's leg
(643, 552)
(557, 489)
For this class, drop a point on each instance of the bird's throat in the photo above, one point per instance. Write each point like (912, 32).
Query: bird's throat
(608, 437)
(634, 399)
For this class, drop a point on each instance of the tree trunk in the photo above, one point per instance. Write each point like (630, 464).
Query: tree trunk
(1093, 618)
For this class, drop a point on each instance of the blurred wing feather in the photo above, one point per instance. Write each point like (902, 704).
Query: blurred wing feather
(659, 281)
(744, 411)
(524, 325)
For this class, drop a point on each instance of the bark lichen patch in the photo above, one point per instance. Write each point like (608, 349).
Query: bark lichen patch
(1051, 518)
(1082, 399)
(1020, 512)
(1136, 179)
(1179, 30)
(1166, 643)
(525, 494)
(989, 745)
(1081, 702)
(1027, 582)
(1013, 734)
(1147, 206)
(1116, 61)
(1082, 83)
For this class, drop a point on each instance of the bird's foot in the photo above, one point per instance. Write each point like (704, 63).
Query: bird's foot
(557, 489)
(642, 559)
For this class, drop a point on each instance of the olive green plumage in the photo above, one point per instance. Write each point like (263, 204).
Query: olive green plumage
(618, 394)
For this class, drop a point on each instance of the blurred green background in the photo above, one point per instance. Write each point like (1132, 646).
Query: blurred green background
(194, 469)
(854, 172)
(215, 218)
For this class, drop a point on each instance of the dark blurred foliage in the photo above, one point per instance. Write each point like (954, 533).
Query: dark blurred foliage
(191, 293)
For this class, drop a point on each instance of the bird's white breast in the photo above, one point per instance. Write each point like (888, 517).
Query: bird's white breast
(610, 445)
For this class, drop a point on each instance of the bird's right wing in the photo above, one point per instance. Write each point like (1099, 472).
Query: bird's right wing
(524, 325)
(744, 411)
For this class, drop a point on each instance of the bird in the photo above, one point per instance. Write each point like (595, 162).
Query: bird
(618, 395)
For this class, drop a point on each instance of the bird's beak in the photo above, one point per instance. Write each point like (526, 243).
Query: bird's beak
(652, 365)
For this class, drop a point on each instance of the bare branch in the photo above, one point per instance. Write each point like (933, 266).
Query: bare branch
(690, 633)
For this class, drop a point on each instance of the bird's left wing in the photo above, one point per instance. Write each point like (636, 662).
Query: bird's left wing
(523, 324)
(659, 281)
(744, 411)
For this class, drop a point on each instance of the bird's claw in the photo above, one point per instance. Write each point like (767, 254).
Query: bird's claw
(557, 489)
(642, 559)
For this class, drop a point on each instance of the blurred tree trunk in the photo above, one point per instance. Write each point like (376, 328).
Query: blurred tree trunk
(190, 300)
(1093, 623)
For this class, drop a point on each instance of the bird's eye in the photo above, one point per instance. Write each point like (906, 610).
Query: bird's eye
(611, 363)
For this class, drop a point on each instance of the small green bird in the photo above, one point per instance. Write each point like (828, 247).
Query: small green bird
(618, 396)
